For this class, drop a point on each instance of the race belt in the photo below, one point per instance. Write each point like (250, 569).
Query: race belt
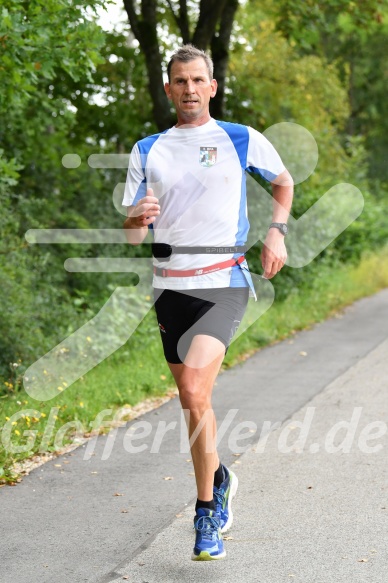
(164, 250)
(202, 271)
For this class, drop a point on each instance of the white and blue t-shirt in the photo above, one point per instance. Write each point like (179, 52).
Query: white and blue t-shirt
(198, 175)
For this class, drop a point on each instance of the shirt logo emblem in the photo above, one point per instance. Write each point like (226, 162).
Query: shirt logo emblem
(207, 156)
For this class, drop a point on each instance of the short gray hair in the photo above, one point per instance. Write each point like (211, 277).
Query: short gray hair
(188, 53)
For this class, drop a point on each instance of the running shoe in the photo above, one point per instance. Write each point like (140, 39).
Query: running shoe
(223, 498)
(208, 540)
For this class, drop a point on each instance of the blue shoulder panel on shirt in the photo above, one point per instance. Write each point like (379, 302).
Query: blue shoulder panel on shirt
(145, 146)
(240, 137)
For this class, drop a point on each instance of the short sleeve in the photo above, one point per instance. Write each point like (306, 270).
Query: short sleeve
(135, 186)
(262, 158)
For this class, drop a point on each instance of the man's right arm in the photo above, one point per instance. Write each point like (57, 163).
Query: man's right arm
(140, 216)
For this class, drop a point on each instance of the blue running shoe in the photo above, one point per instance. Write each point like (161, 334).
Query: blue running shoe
(208, 541)
(223, 498)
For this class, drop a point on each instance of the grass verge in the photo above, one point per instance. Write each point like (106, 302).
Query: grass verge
(138, 371)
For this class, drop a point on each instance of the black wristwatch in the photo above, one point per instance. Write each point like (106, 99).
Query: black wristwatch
(283, 228)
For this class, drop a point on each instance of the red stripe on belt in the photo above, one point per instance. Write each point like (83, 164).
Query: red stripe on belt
(201, 271)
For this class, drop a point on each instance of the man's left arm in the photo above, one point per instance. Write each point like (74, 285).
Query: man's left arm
(274, 253)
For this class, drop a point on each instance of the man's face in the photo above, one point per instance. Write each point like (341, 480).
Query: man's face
(190, 90)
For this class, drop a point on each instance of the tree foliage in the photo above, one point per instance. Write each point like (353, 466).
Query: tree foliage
(38, 39)
(353, 36)
(39, 36)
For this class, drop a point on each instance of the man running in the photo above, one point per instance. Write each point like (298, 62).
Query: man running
(188, 185)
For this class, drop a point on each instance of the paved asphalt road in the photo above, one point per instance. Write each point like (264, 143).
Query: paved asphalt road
(304, 512)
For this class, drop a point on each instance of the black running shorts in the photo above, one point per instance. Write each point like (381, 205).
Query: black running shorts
(183, 314)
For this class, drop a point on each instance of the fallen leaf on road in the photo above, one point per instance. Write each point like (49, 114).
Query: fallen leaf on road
(124, 511)
(57, 465)
(117, 494)
(302, 353)
(168, 478)
(364, 560)
(178, 515)
(228, 538)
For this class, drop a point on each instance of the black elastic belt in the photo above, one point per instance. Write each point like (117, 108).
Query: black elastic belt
(164, 250)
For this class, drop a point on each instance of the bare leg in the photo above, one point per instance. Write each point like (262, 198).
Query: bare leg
(195, 379)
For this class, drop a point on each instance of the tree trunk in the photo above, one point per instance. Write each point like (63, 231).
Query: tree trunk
(144, 27)
(220, 55)
(209, 15)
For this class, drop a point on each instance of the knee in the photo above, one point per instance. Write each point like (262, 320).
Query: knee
(194, 398)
